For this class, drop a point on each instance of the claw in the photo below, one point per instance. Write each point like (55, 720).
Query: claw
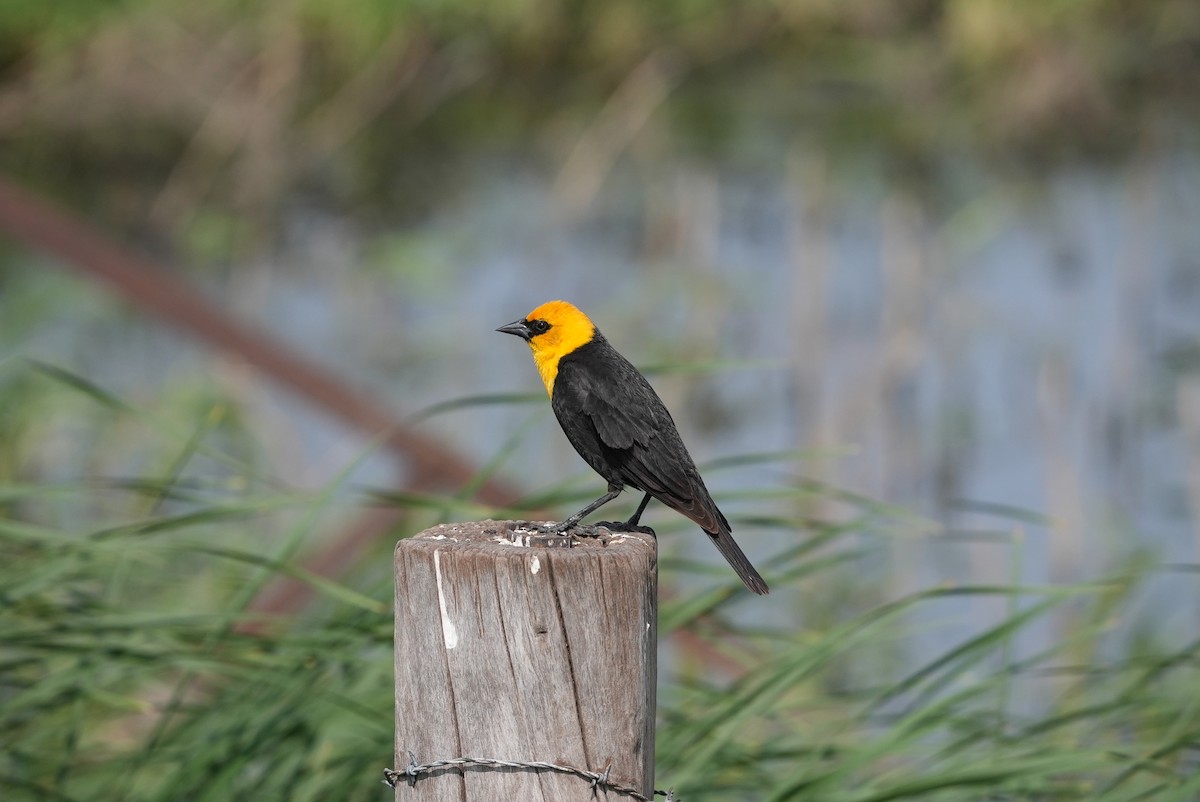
(625, 526)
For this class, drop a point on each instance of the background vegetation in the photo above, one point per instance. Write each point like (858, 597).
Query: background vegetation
(163, 115)
(189, 608)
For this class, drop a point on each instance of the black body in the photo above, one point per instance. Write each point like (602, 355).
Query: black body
(620, 426)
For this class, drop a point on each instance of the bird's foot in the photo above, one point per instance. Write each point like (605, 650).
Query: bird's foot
(539, 533)
(625, 526)
(568, 529)
(540, 528)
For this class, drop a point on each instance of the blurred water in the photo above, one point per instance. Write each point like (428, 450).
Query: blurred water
(1024, 344)
(1018, 349)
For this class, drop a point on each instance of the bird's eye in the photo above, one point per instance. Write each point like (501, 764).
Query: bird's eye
(540, 326)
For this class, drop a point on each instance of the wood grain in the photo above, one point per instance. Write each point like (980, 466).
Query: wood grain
(525, 653)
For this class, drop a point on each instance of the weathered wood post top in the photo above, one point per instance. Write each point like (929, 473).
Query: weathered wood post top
(513, 649)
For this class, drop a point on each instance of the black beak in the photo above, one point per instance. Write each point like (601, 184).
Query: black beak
(519, 328)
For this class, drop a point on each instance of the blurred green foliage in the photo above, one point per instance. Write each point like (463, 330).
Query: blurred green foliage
(133, 665)
(163, 110)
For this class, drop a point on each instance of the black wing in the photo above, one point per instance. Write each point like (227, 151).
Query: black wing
(619, 425)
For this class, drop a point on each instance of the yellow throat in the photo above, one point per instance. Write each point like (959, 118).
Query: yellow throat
(569, 329)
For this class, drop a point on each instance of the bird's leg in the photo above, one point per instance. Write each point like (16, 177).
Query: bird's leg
(612, 493)
(637, 516)
(632, 524)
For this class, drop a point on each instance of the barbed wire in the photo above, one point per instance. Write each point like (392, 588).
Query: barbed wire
(597, 779)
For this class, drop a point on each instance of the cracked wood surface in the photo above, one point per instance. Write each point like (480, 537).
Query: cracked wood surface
(525, 653)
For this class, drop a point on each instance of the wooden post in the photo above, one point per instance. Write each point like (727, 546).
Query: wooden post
(525, 653)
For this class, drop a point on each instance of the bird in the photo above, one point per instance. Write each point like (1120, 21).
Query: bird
(620, 426)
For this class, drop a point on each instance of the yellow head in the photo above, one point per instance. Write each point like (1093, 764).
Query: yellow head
(553, 330)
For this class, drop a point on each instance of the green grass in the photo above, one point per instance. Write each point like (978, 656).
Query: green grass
(133, 665)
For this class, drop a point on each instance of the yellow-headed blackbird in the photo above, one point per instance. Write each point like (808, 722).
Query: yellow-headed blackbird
(618, 424)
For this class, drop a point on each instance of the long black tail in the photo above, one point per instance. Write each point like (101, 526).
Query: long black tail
(737, 559)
